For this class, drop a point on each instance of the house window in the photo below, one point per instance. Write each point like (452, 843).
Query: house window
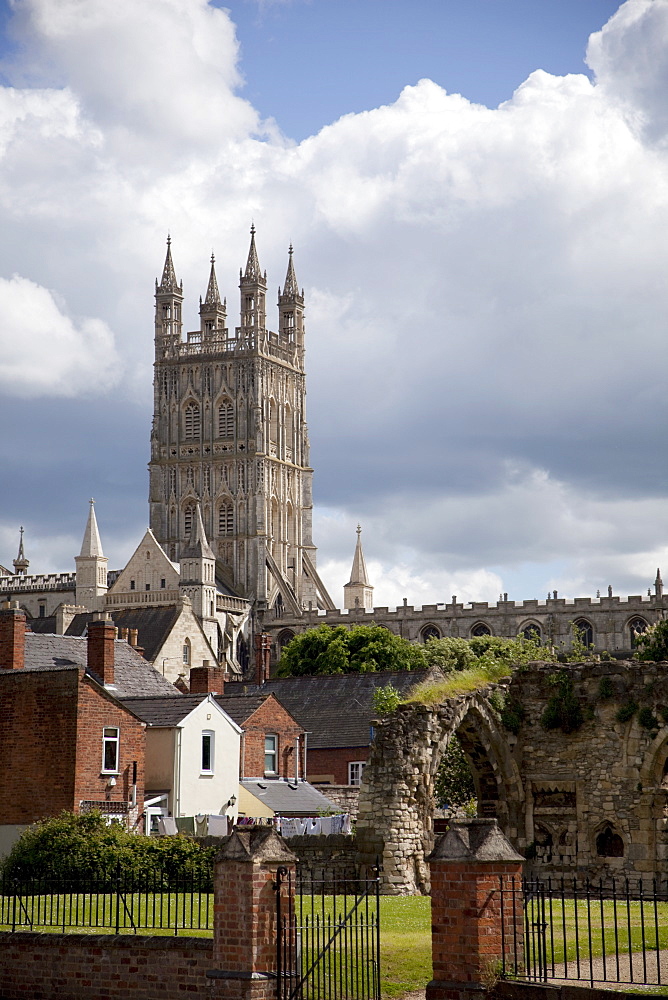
(186, 651)
(270, 754)
(355, 768)
(110, 742)
(207, 752)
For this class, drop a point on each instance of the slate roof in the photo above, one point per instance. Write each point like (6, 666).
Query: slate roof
(241, 707)
(164, 712)
(336, 710)
(289, 799)
(153, 625)
(132, 674)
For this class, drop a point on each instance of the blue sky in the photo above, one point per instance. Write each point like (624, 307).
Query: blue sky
(477, 194)
(308, 63)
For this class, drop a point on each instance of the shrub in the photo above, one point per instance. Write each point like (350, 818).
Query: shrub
(605, 689)
(563, 710)
(84, 848)
(652, 644)
(385, 699)
(513, 715)
(341, 650)
(647, 719)
(626, 711)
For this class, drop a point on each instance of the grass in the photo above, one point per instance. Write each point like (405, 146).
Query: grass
(458, 682)
(405, 922)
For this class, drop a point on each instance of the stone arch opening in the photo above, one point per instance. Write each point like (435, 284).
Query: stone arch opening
(609, 844)
(396, 807)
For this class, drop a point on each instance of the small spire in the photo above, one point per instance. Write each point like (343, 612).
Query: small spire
(358, 572)
(291, 286)
(658, 584)
(198, 545)
(21, 563)
(212, 297)
(169, 282)
(92, 544)
(253, 264)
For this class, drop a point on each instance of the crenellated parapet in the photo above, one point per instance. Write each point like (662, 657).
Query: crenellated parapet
(605, 623)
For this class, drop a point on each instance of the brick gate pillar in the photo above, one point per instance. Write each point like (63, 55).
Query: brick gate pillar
(244, 920)
(476, 915)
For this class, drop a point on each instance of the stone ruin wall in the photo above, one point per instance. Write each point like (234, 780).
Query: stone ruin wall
(555, 794)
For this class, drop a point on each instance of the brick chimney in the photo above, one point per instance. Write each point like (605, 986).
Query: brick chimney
(207, 679)
(262, 656)
(12, 636)
(101, 639)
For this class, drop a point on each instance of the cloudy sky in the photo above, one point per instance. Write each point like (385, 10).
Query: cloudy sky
(477, 194)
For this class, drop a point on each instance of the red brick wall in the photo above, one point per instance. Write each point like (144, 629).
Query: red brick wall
(51, 745)
(95, 711)
(38, 743)
(85, 967)
(334, 762)
(271, 718)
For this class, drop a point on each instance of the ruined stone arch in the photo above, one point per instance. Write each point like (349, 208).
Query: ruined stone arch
(395, 819)
(654, 770)
(607, 840)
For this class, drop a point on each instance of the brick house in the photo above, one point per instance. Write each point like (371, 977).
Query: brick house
(67, 740)
(337, 713)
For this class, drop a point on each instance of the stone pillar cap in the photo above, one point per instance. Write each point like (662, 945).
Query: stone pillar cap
(260, 843)
(474, 840)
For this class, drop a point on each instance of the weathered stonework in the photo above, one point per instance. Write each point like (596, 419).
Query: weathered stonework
(592, 801)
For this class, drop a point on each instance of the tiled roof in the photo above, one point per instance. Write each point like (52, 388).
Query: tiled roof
(289, 798)
(336, 709)
(241, 707)
(132, 674)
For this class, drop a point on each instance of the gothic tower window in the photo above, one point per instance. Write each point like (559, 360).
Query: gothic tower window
(226, 420)
(192, 421)
(429, 632)
(226, 519)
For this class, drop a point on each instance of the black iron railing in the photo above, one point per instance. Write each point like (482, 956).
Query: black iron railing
(606, 931)
(328, 935)
(115, 900)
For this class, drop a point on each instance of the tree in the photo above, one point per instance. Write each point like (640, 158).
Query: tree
(340, 650)
(454, 782)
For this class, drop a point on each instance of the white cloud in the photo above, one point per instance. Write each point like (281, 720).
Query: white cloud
(486, 288)
(43, 352)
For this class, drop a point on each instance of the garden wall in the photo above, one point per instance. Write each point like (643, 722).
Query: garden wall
(92, 967)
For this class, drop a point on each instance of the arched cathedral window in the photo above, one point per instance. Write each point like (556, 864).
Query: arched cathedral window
(480, 629)
(531, 632)
(188, 515)
(636, 627)
(585, 631)
(225, 420)
(429, 632)
(192, 421)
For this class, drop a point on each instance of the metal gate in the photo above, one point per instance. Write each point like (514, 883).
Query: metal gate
(328, 935)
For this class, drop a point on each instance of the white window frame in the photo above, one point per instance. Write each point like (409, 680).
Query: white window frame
(271, 753)
(108, 740)
(208, 734)
(355, 769)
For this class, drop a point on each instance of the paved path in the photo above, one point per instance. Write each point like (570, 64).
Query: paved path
(615, 973)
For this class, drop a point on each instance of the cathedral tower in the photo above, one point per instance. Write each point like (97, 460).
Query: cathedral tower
(229, 434)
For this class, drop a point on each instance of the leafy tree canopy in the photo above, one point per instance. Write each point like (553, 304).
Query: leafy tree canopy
(340, 650)
(483, 651)
(454, 782)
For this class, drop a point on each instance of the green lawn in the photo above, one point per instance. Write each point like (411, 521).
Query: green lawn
(405, 923)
